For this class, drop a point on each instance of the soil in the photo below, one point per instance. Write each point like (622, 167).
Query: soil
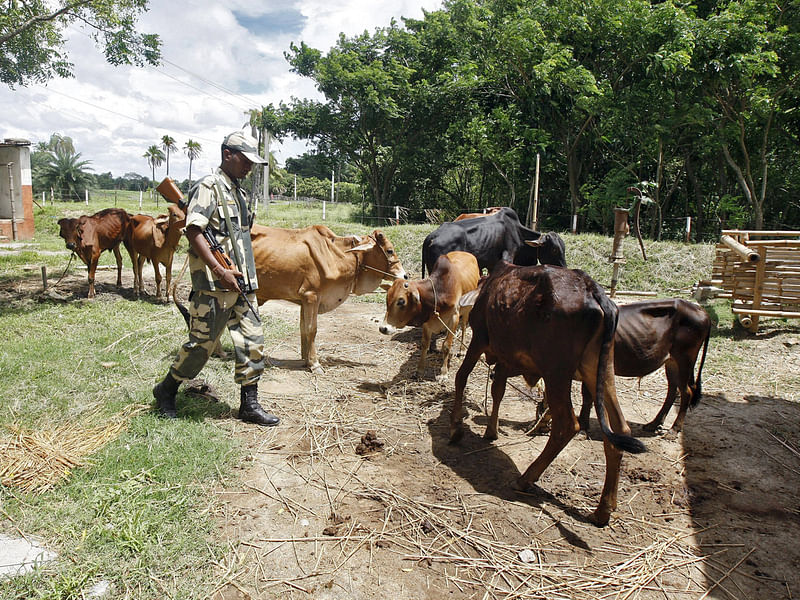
(358, 494)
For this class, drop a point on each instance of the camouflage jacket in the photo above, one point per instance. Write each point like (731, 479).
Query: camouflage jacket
(206, 212)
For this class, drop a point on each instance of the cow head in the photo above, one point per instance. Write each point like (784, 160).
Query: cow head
(549, 251)
(68, 229)
(377, 261)
(403, 305)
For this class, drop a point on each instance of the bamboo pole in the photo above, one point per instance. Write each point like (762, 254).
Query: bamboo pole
(743, 251)
(760, 232)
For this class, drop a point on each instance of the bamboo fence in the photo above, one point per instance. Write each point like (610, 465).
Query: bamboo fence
(760, 273)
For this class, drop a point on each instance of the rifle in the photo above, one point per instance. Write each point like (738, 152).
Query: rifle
(222, 258)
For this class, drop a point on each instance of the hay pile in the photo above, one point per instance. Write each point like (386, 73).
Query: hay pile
(35, 461)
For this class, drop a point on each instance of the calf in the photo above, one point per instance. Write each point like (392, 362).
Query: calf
(655, 333)
(155, 240)
(89, 236)
(551, 323)
(432, 304)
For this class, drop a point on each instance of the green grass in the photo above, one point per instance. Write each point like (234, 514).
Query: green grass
(139, 514)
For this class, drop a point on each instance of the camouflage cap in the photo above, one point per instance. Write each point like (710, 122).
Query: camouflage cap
(244, 143)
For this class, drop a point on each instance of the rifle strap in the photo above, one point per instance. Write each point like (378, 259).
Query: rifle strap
(236, 256)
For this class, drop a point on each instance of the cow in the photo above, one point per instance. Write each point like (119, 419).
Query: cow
(654, 333)
(493, 238)
(490, 210)
(318, 270)
(550, 323)
(155, 240)
(432, 304)
(89, 236)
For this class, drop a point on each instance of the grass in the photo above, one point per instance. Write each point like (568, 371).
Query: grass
(140, 514)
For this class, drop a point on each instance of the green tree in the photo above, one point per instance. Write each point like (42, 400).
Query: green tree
(168, 144)
(32, 36)
(155, 158)
(67, 174)
(193, 151)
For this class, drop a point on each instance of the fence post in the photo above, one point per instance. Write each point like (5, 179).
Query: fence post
(86, 195)
(575, 223)
(323, 210)
(397, 215)
(688, 229)
(140, 199)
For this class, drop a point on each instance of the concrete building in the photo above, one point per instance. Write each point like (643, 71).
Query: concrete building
(16, 190)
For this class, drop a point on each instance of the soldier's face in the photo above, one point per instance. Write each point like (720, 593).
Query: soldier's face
(235, 164)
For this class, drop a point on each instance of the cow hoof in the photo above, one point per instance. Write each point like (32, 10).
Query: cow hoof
(490, 436)
(525, 487)
(317, 369)
(651, 427)
(441, 378)
(600, 517)
(671, 435)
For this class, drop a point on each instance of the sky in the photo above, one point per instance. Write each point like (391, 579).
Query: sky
(218, 61)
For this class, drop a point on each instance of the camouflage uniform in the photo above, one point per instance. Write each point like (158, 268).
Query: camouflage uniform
(212, 306)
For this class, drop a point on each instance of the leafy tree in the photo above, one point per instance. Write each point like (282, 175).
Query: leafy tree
(155, 158)
(65, 173)
(32, 36)
(193, 151)
(168, 144)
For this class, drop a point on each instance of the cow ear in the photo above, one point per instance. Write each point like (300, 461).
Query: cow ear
(385, 286)
(366, 246)
(378, 235)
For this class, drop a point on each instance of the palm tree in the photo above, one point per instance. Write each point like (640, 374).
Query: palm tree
(155, 158)
(168, 143)
(193, 150)
(65, 172)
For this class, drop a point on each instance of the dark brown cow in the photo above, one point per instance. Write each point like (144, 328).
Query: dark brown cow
(155, 239)
(556, 324)
(432, 304)
(655, 333)
(89, 236)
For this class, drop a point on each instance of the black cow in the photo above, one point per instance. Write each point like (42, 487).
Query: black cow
(493, 238)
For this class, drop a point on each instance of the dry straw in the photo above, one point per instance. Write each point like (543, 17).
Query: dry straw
(37, 460)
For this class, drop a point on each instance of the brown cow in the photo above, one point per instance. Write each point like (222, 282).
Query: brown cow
(490, 210)
(89, 236)
(655, 333)
(318, 270)
(433, 304)
(552, 323)
(155, 240)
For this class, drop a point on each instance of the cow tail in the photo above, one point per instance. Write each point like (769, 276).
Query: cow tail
(697, 390)
(425, 250)
(181, 308)
(626, 443)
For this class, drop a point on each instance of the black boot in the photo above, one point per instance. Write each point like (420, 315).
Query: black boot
(250, 410)
(164, 393)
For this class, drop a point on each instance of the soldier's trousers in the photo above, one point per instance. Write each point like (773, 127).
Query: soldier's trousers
(210, 313)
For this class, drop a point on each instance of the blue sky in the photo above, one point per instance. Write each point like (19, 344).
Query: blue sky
(220, 61)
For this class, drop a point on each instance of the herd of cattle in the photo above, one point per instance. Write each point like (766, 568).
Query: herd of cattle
(529, 316)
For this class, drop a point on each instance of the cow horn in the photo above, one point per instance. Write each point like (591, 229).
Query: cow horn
(535, 243)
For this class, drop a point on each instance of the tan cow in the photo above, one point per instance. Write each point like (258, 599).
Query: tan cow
(318, 270)
(490, 210)
(89, 236)
(155, 240)
(433, 304)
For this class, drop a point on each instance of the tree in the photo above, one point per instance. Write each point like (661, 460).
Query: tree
(193, 150)
(32, 37)
(155, 158)
(168, 143)
(67, 174)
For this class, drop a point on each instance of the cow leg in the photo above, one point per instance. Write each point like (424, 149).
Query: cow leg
(684, 375)
(672, 387)
(158, 278)
(139, 268)
(563, 429)
(498, 391)
(608, 498)
(586, 408)
(92, 269)
(135, 266)
(309, 310)
(118, 257)
(427, 334)
(447, 347)
(456, 412)
(168, 276)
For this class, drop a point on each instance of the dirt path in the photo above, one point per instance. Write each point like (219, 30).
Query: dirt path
(326, 513)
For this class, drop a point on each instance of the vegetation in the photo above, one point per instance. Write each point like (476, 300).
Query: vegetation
(695, 101)
(32, 37)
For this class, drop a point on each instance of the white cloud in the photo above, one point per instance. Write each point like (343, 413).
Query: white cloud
(114, 114)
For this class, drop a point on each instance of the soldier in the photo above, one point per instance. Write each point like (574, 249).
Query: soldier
(218, 206)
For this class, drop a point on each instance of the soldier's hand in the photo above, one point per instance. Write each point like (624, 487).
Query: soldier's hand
(228, 278)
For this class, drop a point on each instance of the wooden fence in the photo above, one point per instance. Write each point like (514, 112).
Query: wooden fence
(760, 273)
